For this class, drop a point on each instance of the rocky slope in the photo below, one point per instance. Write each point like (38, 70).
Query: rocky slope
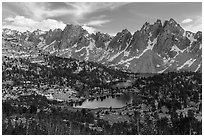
(155, 48)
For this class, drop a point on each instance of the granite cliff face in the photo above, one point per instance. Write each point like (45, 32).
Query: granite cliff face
(155, 48)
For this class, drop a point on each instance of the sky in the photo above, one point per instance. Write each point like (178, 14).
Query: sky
(99, 16)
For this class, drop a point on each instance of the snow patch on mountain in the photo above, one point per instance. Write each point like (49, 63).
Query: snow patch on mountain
(166, 60)
(191, 37)
(188, 62)
(41, 44)
(80, 49)
(197, 68)
(88, 48)
(145, 50)
(175, 48)
(44, 48)
(126, 53)
(161, 71)
(91, 45)
(116, 55)
(127, 65)
(75, 45)
(151, 43)
(127, 60)
(200, 47)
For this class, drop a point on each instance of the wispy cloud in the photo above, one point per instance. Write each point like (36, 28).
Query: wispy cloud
(76, 10)
(81, 9)
(186, 21)
(194, 25)
(89, 29)
(21, 23)
(97, 22)
(32, 14)
(91, 25)
(40, 11)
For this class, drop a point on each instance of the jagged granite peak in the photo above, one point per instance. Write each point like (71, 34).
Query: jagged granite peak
(125, 31)
(171, 34)
(172, 26)
(172, 21)
(101, 39)
(71, 35)
(196, 43)
(198, 36)
(137, 43)
(51, 36)
(145, 26)
(156, 28)
(189, 34)
(36, 36)
(121, 40)
(155, 48)
(147, 32)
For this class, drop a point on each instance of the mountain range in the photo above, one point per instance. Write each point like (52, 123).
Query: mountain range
(155, 48)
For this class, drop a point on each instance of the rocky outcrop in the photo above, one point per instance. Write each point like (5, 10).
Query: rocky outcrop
(53, 35)
(101, 39)
(73, 34)
(120, 41)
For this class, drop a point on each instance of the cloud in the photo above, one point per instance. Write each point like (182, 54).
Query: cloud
(90, 26)
(74, 10)
(195, 25)
(89, 29)
(97, 22)
(21, 23)
(186, 21)
(82, 8)
(38, 15)
(40, 11)
(112, 34)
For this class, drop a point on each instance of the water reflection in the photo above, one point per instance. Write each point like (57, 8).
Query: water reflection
(114, 101)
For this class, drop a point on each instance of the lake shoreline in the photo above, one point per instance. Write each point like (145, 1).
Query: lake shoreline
(106, 102)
